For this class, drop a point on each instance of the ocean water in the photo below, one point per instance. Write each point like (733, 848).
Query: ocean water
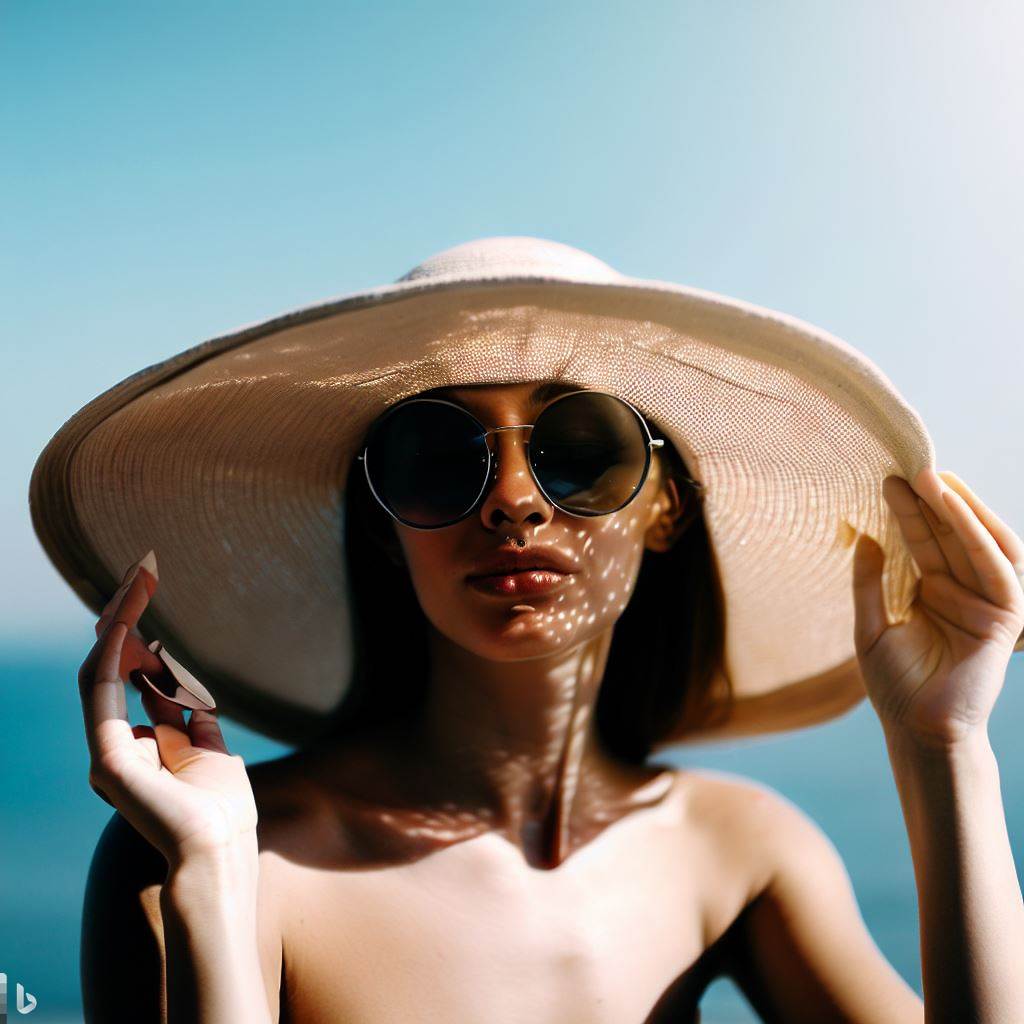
(838, 773)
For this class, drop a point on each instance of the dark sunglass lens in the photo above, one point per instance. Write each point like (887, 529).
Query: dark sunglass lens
(427, 462)
(589, 452)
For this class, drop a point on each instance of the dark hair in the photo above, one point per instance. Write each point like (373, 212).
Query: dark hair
(663, 656)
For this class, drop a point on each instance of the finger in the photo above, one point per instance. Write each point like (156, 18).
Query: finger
(1011, 545)
(135, 654)
(998, 581)
(146, 564)
(126, 579)
(916, 531)
(176, 748)
(204, 729)
(169, 730)
(104, 620)
(134, 599)
(107, 611)
(145, 737)
(162, 711)
(930, 489)
(969, 612)
(102, 693)
(870, 619)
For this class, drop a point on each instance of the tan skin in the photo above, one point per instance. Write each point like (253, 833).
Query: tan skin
(493, 862)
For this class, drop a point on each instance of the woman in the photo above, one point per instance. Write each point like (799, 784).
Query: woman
(487, 840)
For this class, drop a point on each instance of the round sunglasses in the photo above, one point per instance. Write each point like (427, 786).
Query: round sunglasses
(428, 461)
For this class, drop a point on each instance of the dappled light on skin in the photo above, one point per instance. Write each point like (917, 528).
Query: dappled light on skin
(487, 845)
(507, 741)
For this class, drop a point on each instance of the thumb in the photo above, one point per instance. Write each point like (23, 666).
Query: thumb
(870, 619)
(176, 748)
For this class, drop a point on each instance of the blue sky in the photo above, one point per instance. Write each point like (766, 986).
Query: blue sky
(174, 171)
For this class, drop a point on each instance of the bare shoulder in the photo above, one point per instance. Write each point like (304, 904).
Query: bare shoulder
(748, 825)
(749, 834)
(797, 944)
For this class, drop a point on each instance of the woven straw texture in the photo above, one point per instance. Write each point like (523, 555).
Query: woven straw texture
(230, 461)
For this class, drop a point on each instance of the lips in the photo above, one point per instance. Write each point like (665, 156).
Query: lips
(505, 563)
(526, 582)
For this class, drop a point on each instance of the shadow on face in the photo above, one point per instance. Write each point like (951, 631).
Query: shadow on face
(668, 641)
(604, 552)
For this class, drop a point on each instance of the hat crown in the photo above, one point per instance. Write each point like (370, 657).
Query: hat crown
(513, 256)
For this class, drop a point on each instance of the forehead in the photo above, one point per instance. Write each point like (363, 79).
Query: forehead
(530, 394)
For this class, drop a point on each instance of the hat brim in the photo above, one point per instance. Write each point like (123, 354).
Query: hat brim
(229, 460)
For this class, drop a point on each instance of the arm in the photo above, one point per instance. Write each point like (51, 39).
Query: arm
(933, 678)
(801, 952)
(180, 790)
(209, 909)
(150, 937)
(969, 900)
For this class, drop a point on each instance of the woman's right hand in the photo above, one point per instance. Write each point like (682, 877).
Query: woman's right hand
(177, 784)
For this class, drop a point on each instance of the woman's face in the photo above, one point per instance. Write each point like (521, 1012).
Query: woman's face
(604, 552)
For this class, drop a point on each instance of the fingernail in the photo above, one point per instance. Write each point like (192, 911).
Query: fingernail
(179, 686)
(147, 561)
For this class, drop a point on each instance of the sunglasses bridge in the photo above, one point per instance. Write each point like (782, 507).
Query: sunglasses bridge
(653, 442)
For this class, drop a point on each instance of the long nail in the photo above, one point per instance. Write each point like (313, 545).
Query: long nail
(147, 561)
(177, 684)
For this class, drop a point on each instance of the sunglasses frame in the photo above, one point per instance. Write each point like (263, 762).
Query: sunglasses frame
(492, 458)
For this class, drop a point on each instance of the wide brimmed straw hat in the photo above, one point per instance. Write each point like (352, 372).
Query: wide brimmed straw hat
(230, 461)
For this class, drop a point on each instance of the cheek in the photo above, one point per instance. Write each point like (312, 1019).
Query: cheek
(430, 566)
(612, 554)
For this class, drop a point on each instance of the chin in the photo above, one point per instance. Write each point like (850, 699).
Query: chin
(519, 635)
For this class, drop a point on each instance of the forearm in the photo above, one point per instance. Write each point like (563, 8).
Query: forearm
(210, 929)
(969, 900)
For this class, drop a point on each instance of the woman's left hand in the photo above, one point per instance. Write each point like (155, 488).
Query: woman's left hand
(936, 676)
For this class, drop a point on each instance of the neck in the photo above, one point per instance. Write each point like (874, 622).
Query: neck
(499, 746)
(517, 739)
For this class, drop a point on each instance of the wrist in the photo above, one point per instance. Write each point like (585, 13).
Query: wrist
(941, 762)
(211, 921)
(226, 872)
(966, 743)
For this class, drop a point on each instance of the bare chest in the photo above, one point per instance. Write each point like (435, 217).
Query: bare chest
(472, 933)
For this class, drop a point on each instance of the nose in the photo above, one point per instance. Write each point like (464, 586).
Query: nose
(512, 496)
